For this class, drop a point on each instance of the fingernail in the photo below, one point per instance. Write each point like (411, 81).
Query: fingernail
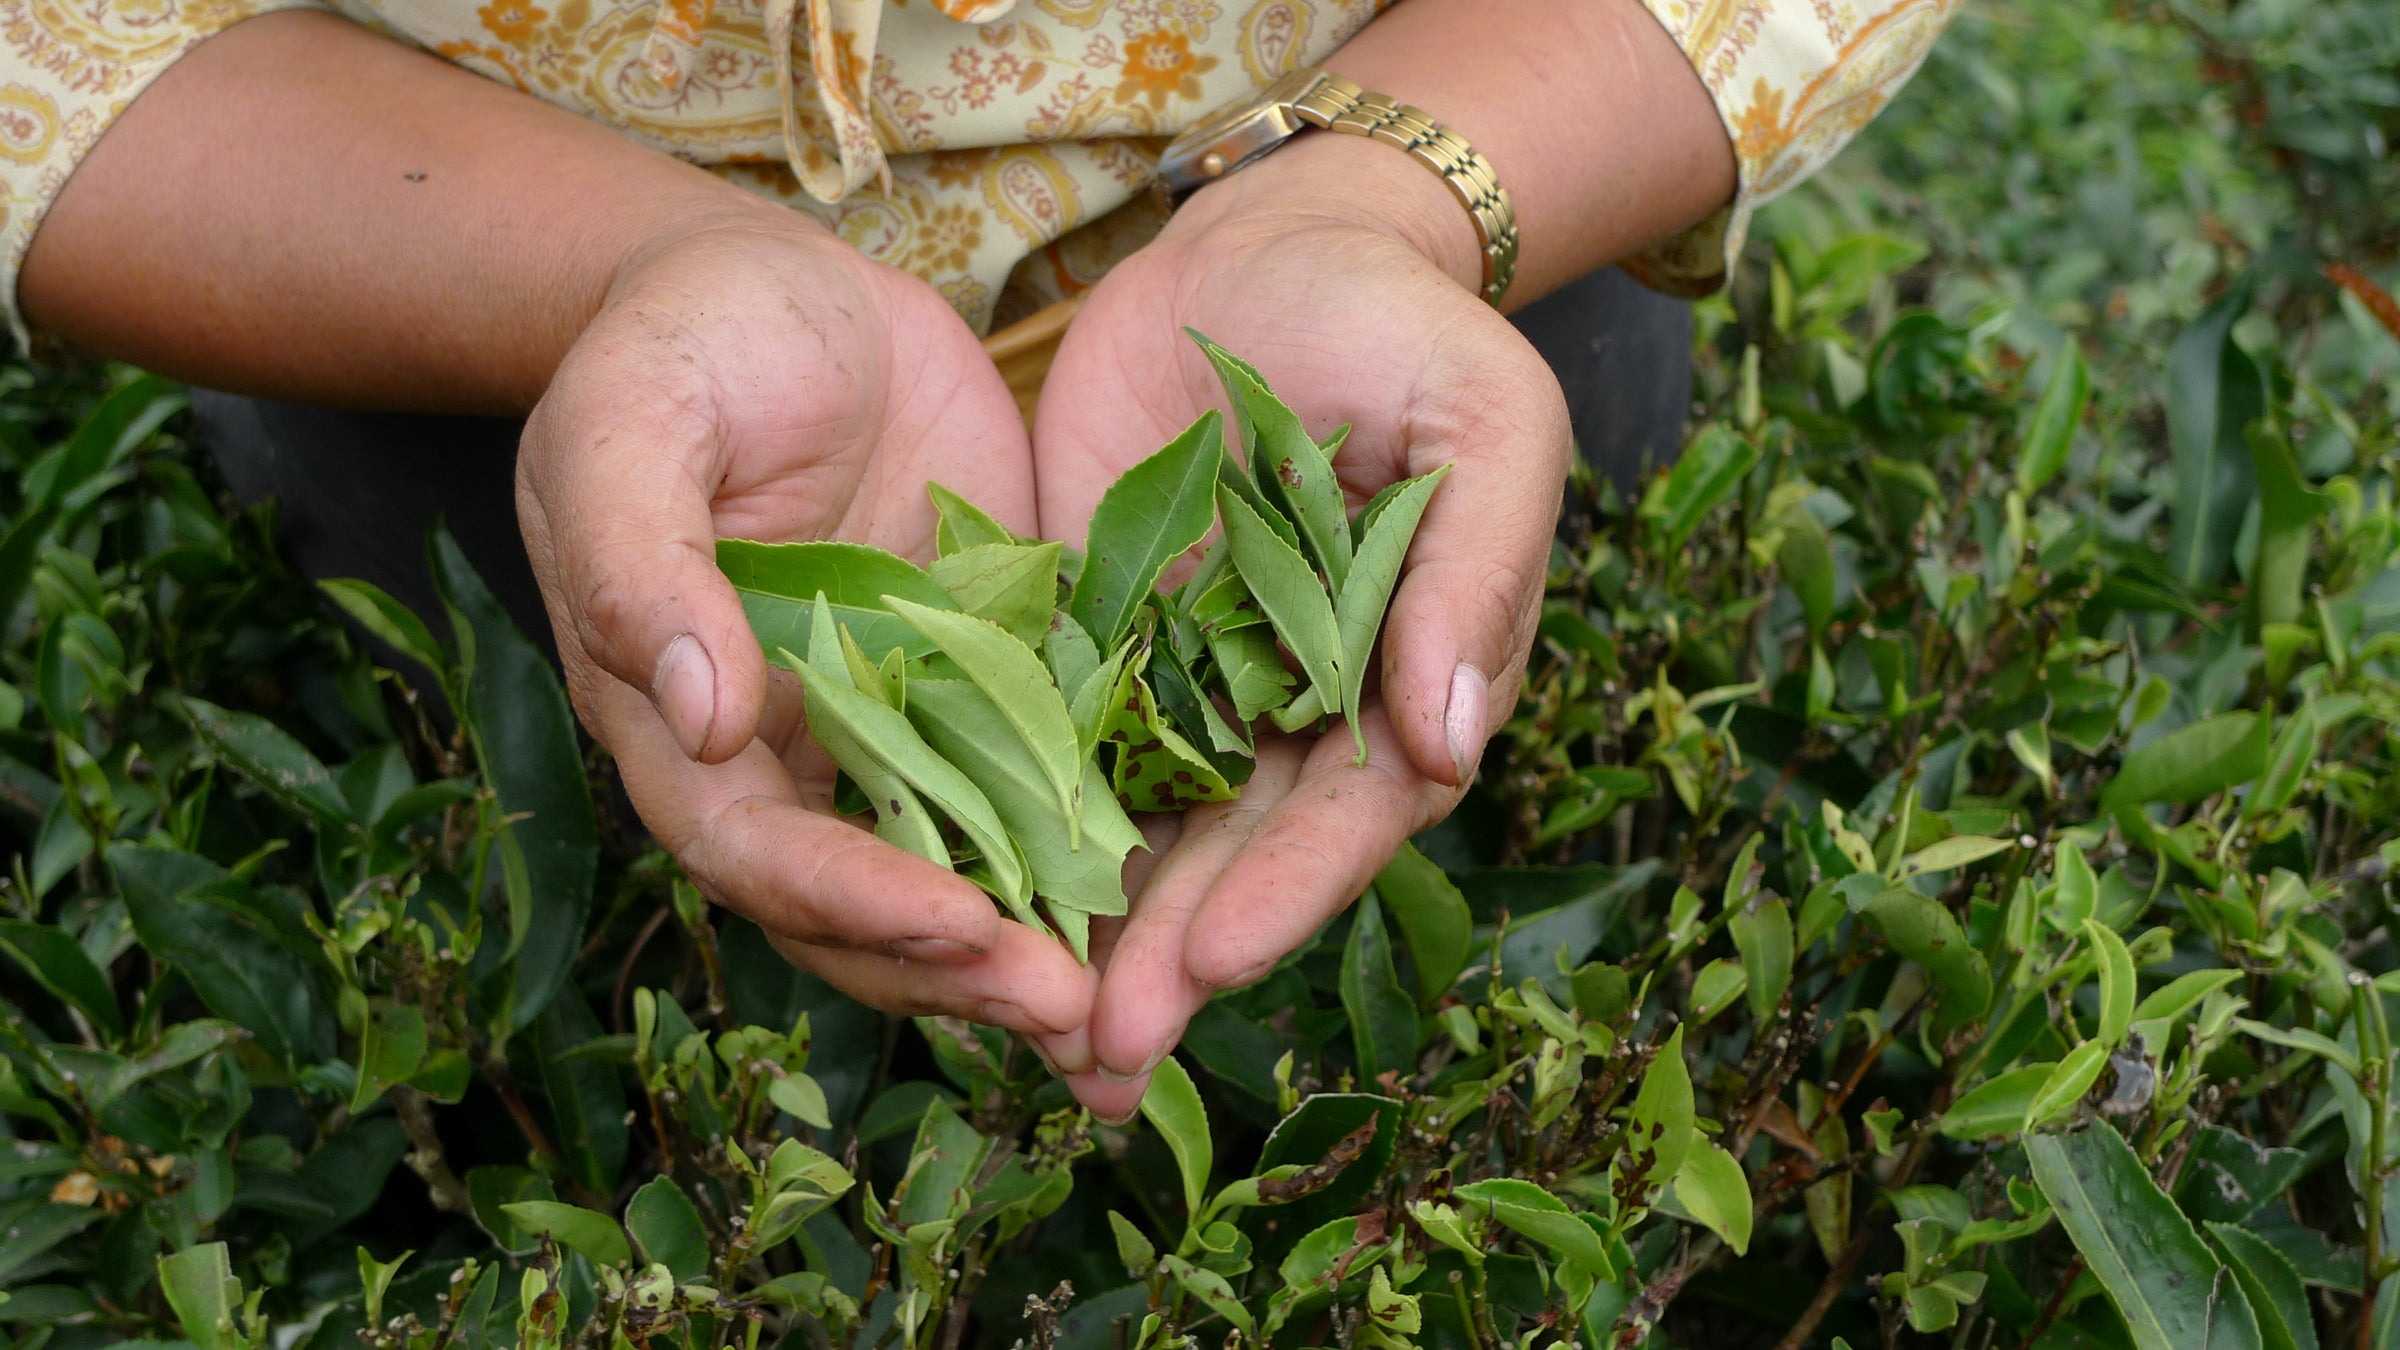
(1044, 1056)
(1143, 1072)
(995, 1013)
(1248, 977)
(1126, 1119)
(943, 951)
(684, 689)
(1470, 699)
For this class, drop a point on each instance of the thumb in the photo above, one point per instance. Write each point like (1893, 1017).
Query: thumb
(1468, 604)
(614, 498)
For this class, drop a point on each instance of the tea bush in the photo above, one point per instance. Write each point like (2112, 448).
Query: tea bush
(1936, 883)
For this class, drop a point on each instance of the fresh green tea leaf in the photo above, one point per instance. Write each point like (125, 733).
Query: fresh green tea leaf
(1361, 600)
(779, 582)
(1019, 686)
(1147, 519)
(1291, 594)
(1012, 585)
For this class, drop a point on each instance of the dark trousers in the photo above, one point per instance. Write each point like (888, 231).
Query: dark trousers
(357, 491)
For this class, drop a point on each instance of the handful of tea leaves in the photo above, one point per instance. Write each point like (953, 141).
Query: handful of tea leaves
(1001, 711)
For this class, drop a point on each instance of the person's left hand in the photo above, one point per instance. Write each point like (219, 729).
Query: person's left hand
(1347, 275)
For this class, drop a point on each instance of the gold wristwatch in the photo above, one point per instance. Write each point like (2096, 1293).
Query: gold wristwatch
(1314, 97)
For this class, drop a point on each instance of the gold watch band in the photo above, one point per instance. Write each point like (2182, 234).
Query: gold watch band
(1340, 105)
(1316, 97)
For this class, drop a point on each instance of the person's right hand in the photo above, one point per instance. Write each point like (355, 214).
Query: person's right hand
(757, 378)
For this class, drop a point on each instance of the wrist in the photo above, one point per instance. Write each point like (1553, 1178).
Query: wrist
(1323, 180)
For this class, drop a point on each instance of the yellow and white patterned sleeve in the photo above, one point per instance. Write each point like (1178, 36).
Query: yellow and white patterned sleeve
(67, 69)
(1793, 81)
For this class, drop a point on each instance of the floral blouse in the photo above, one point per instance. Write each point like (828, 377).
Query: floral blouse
(997, 148)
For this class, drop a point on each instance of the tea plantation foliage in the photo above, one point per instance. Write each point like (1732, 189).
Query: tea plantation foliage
(1936, 886)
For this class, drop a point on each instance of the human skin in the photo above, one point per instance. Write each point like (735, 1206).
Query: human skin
(365, 225)
(1347, 273)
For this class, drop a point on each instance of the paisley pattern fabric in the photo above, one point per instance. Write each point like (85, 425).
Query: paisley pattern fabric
(1000, 149)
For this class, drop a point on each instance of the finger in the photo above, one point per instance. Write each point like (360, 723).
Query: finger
(614, 481)
(1148, 996)
(1316, 851)
(743, 835)
(1028, 984)
(1465, 613)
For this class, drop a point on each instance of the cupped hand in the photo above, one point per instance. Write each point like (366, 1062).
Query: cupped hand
(756, 378)
(1346, 275)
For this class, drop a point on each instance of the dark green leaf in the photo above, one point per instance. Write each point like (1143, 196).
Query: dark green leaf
(58, 963)
(1922, 930)
(263, 753)
(239, 972)
(2231, 1178)
(2272, 1286)
(524, 738)
(592, 1234)
(586, 1097)
(2161, 1277)
(2192, 762)
(1762, 932)
(1432, 916)
(1145, 521)
(662, 1219)
(2215, 390)
(2287, 506)
(1383, 1019)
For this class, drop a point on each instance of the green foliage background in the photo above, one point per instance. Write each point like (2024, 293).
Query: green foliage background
(1937, 884)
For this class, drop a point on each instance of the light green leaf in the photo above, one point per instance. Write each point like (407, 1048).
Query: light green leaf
(885, 738)
(1289, 591)
(802, 1097)
(1144, 522)
(1954, 852)
(1361, 600)
(2302, 1039)
(779, 583)
(1762, 932)
(1541, 1216)
(1922, 930)
(1290, 468)
(389, 1051)
(901, 818)
(1709, 471)
(1135, 1250)
(1019, 686)
(2051, 432)
(1711, 1187)
(199, 1285)
(2171, 1291)
(395, 624)
(1012, 585)
(2068, 1083)
(962, 525)
(2116, 981)
(1998, 1106)
(1172, 1106)
(2182, 994)
(1253, 671)
(958, 721)
(589, 1232)
(1662, 1131)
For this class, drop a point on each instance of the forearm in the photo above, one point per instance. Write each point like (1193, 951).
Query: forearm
(303, 209)
(1594, 121)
